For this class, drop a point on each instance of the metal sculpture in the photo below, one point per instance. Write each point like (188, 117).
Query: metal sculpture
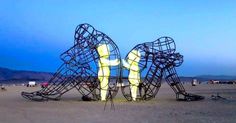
(88, 66)
(92, 66)
(151, 62)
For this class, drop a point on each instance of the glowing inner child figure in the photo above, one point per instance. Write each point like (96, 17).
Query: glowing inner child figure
(134, 73)
(104, 68)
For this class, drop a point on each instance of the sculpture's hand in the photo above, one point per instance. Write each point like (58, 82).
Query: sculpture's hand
(117, 61)
(125, 64)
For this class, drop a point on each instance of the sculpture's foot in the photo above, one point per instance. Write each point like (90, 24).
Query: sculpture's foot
(35, 96)
(188, 97)
(39, 96)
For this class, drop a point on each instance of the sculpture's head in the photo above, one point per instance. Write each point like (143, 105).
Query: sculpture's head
(103, 50)
(82, 32)
(134, 57)
(164, 54)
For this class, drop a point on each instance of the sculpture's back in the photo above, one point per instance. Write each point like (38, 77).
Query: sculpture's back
(80, 68)
(158, 61)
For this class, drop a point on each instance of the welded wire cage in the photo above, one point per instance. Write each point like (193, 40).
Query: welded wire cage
(94, 59)
(80, 68)
(157, 62)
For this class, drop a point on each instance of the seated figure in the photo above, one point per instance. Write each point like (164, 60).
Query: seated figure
(157, 61)
(87, 67)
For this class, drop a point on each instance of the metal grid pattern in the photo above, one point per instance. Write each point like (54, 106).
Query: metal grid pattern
(158, 61)
(80, 68)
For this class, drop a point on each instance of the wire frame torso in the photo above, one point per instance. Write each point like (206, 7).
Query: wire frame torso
(81, 66)
(158, 61)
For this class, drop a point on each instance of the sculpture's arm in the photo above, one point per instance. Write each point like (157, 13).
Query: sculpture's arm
(125, 64)
(110, 62)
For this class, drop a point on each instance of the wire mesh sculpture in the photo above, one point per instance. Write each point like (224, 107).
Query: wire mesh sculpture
(147, 64)
(91, 66)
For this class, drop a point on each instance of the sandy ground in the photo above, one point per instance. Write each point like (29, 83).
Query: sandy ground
(163, 109)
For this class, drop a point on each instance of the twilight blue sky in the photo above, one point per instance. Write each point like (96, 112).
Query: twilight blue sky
(34, 33)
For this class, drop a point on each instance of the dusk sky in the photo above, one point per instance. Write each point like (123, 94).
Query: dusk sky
(34, 33)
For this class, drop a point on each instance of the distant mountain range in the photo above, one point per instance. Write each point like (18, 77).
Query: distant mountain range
(209, 77)
(218, 77)
(7, 75)
(21, 75)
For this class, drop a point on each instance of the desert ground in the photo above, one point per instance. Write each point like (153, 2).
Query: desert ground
(163, 109)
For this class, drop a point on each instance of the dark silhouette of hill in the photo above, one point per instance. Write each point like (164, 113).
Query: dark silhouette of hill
(208, 77)
(11, 76)
(216, 77)
(20, 75)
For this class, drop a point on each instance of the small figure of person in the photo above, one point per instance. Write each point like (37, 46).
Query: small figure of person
(134, 72)
(104, 68)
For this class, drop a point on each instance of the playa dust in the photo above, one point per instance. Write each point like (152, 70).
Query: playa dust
(163, 109)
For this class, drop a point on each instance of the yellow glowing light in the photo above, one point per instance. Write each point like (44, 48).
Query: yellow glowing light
(104, 68)
(134, 73)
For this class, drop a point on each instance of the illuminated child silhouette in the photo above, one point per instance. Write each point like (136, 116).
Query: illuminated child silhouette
(104, 68)
(134, 73)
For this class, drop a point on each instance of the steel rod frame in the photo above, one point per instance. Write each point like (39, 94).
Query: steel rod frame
(80, 68)
(84, 68)
(158, 61)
